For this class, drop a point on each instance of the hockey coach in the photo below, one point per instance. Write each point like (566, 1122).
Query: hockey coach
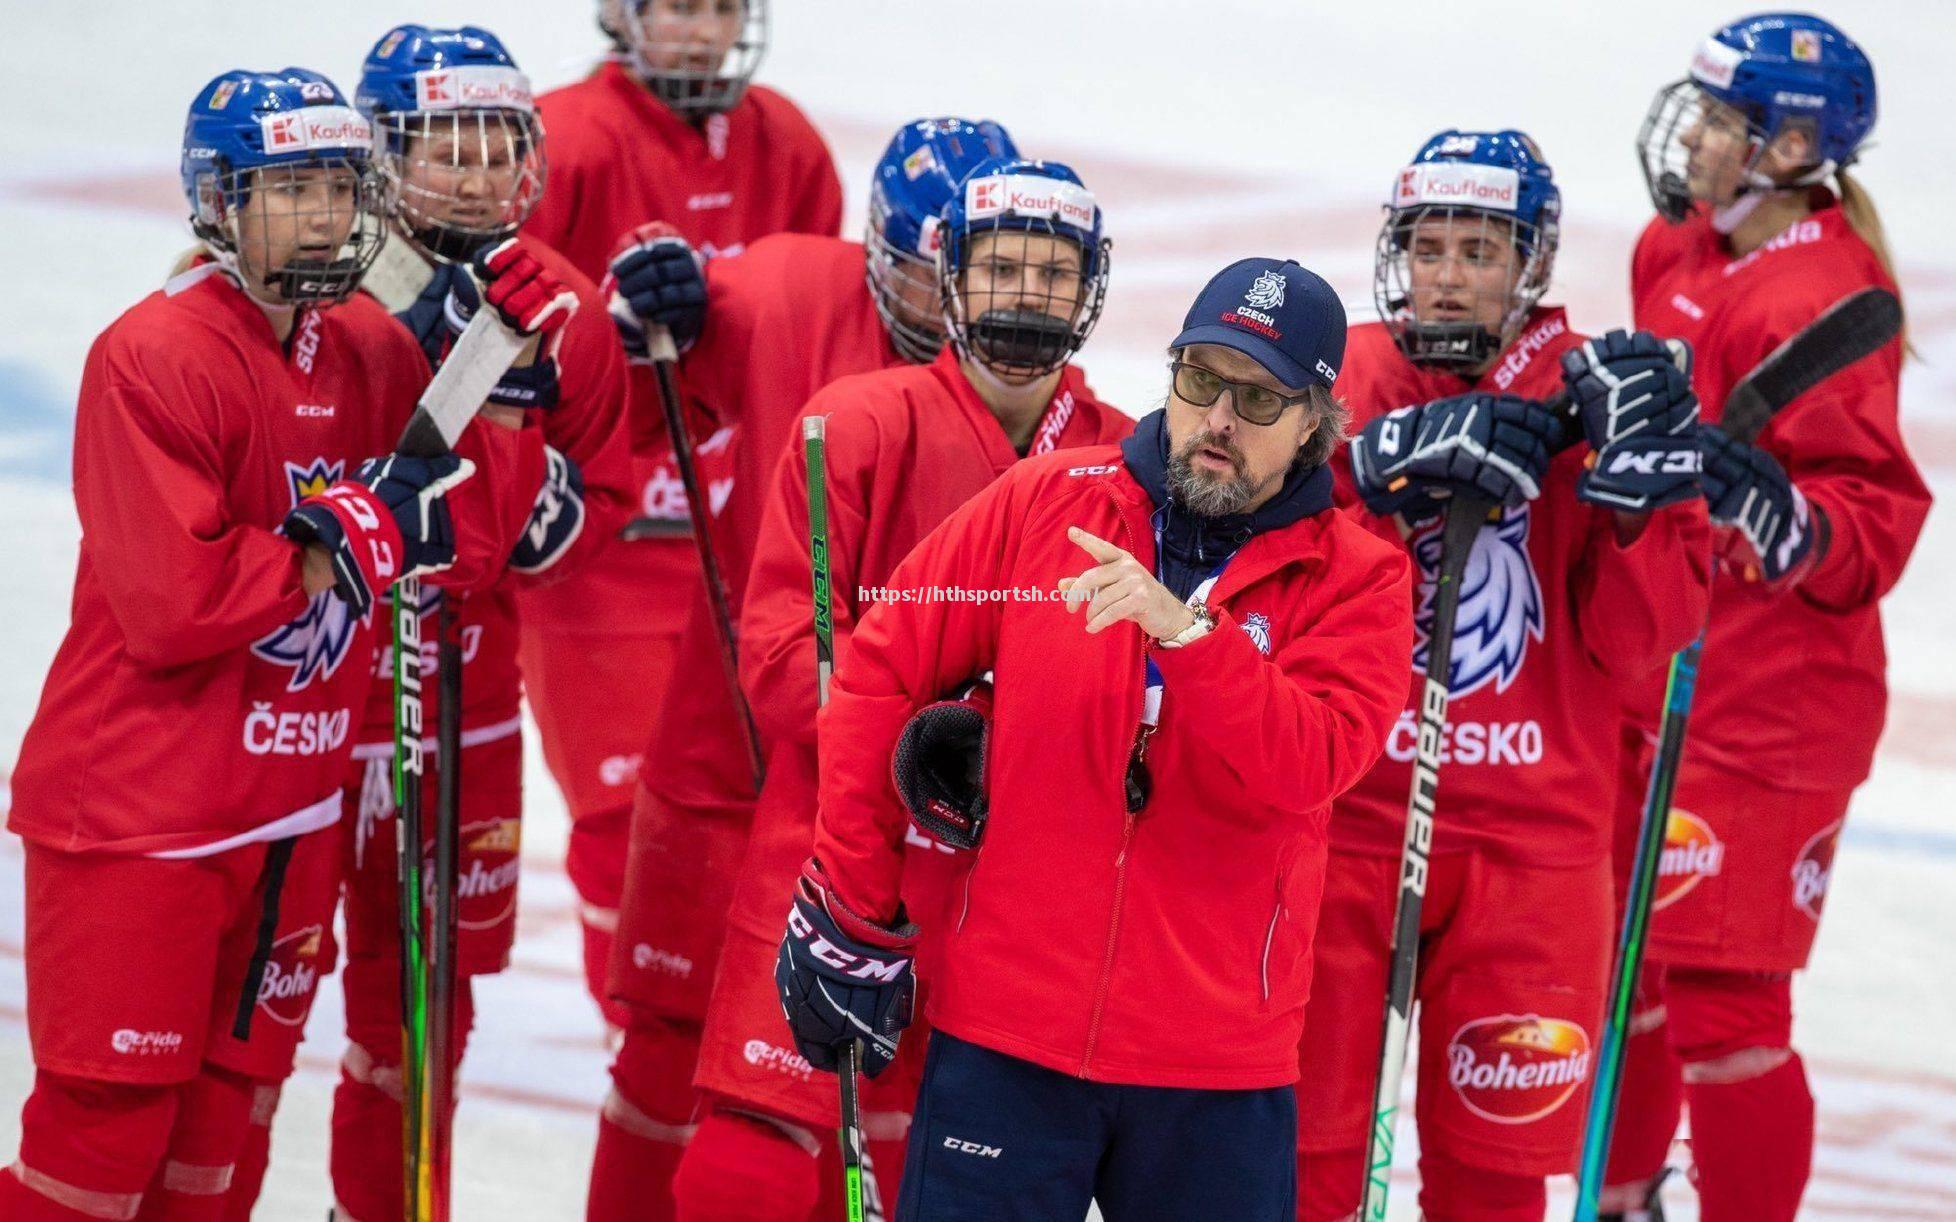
(1193, 654)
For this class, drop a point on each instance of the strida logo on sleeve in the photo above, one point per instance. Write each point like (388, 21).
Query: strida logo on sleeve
(1517, 1068)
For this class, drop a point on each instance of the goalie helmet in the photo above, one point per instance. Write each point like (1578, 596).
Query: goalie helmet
(697, 56)
(459, 140)
(916, 177)
(1010, 304)
(278, 172)
(1467, 247)
(1758, 77)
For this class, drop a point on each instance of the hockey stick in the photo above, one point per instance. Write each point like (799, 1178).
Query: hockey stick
(454, 395)
(1463, 519)
(814, 435)
(664, 357)
(444, 904)
(1853, 327)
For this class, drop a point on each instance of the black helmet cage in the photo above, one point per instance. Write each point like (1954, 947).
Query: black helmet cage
(689, 91)
(1021, 344)
(224, 194)
(1462, 346)
(1678, 108)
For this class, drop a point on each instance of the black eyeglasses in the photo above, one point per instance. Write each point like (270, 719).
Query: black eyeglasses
(1256, 404)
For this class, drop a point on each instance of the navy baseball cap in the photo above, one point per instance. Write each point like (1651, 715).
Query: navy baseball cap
(1276, 312)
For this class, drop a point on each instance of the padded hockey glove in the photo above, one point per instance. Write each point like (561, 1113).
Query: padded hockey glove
(1774, 534)
(556, 519)
(655, 280)
(939, 766)
(440, 315)
(389, 520)
(530, 299)
(1633, 396)
(1495, 445)
(842, 978)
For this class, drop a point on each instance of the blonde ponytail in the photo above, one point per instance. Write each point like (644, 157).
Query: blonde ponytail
(1859, 209)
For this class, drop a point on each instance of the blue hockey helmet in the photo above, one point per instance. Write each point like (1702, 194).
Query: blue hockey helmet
(915, 178)
(460, 142)
(1767, 74)
(250, 130)
(1027, 319)
(1466, 198)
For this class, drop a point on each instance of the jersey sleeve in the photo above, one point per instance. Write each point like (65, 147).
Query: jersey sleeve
(1298, 728)
(1841, 443)
(903, 655)
(1640, 602)
(183, 580)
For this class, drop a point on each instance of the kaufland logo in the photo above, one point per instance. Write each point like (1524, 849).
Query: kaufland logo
(1473, 186)
(474, 88)
(1517, 1068)
(1032, 196)
(315, 127)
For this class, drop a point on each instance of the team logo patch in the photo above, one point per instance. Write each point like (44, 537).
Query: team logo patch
(1513, 1069)
(315, 643)
(1266, 292)
(1500, 605)
(1806, 46)
(221, 96)
(1257, 625)
(291, 975)
(1692, 853)
(1813, 868)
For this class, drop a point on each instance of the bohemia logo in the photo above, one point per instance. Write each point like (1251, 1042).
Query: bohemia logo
(1517, 1068)
(1500, 605)
(314, 644)
(1813, 867)
(290, 976)
(1691, 854)
(486, 891)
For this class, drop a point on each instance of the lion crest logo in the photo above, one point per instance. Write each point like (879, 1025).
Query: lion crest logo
(1500, 604)
(1266, 292)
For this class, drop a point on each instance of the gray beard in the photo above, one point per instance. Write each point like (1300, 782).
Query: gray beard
(1206, 495)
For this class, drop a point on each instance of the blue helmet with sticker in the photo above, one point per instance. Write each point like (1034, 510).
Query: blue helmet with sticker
(1468, 201)
(250, 130)
(1028, 314)
(460, 142)
(917, 176)
(1771, 73)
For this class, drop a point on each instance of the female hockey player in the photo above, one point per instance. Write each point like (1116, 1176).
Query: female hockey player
(463, 155)
(1759, 229)
(1585, 578)
(178, 786)
(669, 130)
(793, 313)
(1117, 988)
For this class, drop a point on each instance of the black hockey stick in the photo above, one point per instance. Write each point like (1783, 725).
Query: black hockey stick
(1853, 327)
(443, 906)
(456, 393)
(1464, 516)
(664, 357)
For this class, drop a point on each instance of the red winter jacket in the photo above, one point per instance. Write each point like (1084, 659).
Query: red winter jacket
(1168, 948)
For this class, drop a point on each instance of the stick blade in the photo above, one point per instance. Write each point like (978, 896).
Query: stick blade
(1853, 327)
(455, 394)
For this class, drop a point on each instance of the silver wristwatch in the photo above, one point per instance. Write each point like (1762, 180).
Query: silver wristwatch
(1204, 621)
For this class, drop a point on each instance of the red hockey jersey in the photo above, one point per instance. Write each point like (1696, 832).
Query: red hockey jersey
(1554, 616)
(1792, 686)
(199, 699)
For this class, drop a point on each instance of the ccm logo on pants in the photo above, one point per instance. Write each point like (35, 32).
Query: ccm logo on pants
(971, 1147)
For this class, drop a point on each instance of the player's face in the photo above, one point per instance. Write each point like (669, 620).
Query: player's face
(471, 171)
(690, 36)
(1015, 270)
(296, 214)
(1219, 463)
(1463, 267)
(1717, 145)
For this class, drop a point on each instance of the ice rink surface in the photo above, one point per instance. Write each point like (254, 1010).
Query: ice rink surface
(1209, 131)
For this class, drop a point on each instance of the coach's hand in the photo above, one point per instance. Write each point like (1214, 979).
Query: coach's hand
(1119, 587)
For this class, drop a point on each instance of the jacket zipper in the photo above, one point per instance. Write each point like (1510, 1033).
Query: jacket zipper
(1140, 743)
(965, 911)
(1269, 940)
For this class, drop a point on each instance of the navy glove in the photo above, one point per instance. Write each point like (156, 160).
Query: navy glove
(389, 520)
(1633, 396)
(656, 280)
(1781, 534)
(439, 316)
(842, 978)
(556, 519)
(939, 766)
(1498, 446)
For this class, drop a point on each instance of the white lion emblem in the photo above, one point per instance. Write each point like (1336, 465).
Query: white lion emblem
(1267, 293)
(1257, 624)
(1500, 605)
